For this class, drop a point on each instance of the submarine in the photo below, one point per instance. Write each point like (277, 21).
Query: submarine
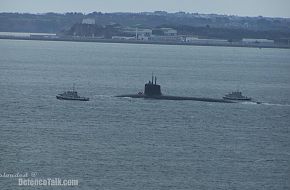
(152, 90)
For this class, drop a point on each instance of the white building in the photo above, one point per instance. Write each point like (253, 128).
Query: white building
(190, 39)
(169, 31)
(89, 21)
(167, 38)
(144, 32)
(139, 34)
(122, 38)
(193, 39)
(250, 41)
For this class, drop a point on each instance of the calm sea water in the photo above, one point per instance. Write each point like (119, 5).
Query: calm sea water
(123, 143)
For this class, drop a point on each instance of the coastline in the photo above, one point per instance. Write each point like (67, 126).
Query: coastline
(98, 40)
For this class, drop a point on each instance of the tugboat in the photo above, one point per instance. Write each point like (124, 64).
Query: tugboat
(71, 95)
(236, 95)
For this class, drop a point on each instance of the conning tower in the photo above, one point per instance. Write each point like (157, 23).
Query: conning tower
(152, 89)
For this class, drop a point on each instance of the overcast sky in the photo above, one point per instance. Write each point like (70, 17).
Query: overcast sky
(272, 8)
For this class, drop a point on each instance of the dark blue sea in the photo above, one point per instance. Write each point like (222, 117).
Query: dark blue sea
(134, 144)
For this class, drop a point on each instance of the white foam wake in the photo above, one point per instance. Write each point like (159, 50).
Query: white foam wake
(264, 103)
(271, 104)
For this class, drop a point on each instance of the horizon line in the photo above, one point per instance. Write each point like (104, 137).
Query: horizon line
(168, 12)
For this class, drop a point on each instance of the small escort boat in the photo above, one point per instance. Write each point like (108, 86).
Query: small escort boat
(71, 95)
(236, 95)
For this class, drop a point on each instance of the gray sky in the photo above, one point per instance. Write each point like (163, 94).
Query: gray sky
(272, 8)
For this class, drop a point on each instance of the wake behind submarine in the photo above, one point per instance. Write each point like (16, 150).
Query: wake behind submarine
(153, 91)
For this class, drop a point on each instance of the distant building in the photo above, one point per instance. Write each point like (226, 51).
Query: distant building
(165, 32)
(167, 38)
(43, 36)
(144, 32)
(143, 37)
(193, 39)
(190, 39)
(139, 34)
(89, 21)
(169, 31)
(122, 38)
(249, 41)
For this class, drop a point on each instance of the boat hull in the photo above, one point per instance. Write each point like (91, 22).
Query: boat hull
(76, 99)
(237, 99)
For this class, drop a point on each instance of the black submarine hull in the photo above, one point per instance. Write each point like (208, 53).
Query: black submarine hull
(165, 97)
